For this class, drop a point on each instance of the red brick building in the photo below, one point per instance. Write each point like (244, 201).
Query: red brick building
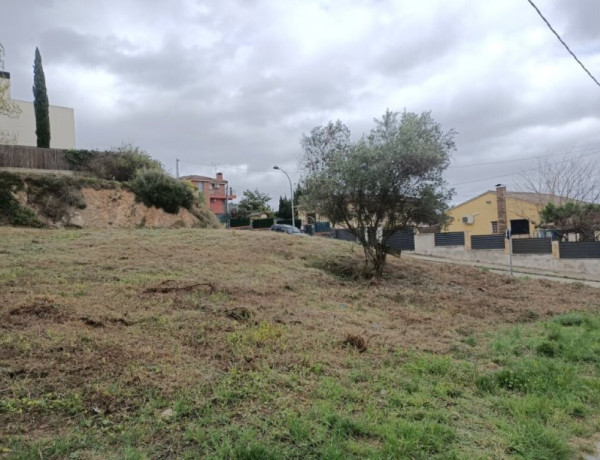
(215, 191)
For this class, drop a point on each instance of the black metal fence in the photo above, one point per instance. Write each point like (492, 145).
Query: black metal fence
(450, 239)
(345, 235)
(579, 250)
(495, 241)
(402, 240)
(532, 246)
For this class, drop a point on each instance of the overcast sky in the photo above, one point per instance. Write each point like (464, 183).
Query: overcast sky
(231, 86)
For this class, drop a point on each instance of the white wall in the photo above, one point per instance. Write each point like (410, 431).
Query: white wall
(62, 126)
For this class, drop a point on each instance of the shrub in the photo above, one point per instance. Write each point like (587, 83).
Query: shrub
(122, 164)
(11, 211)
(156, 188)
(80, 159)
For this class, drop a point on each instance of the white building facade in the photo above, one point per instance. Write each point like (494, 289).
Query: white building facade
(21, 129)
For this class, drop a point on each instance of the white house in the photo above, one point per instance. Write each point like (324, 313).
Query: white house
(22, 128)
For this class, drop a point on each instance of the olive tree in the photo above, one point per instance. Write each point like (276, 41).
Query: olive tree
(388, 180)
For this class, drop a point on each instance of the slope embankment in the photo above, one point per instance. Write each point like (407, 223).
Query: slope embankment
(48, 200)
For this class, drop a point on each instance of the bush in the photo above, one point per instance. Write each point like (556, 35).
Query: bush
(11, 211)
(156, 188)
(122, 164)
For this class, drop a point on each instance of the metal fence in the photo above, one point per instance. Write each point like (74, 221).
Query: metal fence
(579, 250)
(495, 241)
(345, 235)
(402, 240)
(532, 246)
(450, 239)
(20, 156)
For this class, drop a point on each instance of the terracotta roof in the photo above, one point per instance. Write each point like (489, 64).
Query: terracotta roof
(202, 179)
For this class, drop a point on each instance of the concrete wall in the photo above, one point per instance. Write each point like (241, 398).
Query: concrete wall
(425, 245)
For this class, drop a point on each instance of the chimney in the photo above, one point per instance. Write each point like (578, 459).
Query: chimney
(219, 176)
(501, 205)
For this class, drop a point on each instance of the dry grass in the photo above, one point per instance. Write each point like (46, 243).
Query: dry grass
(98, 323)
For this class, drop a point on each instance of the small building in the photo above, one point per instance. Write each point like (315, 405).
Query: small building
(215, 190)
(21, 128)
(499, 210)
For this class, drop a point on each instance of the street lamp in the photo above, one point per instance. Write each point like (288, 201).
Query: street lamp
(291, 190)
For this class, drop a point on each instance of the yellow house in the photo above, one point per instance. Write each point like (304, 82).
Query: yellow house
(496, 211)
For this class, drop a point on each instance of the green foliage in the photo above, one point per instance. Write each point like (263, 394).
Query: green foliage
(253, 201)
(40, 103)
(531, 440)
(285, 208)
(122, 164)
(11, 211)
(573, 217)
(54, 195)
(240, 222)
(80, 159)
(263, 223)
(156, 188)
(388, 180)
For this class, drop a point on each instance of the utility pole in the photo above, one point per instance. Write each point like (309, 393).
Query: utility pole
(177, 168)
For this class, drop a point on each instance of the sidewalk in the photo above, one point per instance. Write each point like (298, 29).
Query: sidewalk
(566, 277)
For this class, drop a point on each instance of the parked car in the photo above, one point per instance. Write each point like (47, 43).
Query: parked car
(283, 228)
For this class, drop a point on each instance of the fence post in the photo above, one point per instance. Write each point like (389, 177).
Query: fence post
(555, 249)
(468, 241)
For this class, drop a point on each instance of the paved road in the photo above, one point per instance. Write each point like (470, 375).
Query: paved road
(517, 271)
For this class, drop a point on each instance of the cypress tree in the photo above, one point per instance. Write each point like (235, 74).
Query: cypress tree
(40, 103)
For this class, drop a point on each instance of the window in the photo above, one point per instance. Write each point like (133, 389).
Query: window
(519, 227)
(495, 226)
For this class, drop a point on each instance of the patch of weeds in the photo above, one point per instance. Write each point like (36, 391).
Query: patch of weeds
(532, 440)
(260, 335)
(470, 341)
(254, 450)
(48, 403)
(419, 440)
(532, 375)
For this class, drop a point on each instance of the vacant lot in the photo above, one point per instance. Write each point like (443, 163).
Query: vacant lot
(212, 344)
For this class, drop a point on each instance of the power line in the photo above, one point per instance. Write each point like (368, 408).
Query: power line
(564, 44)
(518, 172)
(568, 152)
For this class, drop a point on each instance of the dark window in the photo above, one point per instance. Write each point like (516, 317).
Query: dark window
(519, 227)
(495, 226)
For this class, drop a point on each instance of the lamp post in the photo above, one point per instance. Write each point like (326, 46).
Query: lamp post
(291, 190)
